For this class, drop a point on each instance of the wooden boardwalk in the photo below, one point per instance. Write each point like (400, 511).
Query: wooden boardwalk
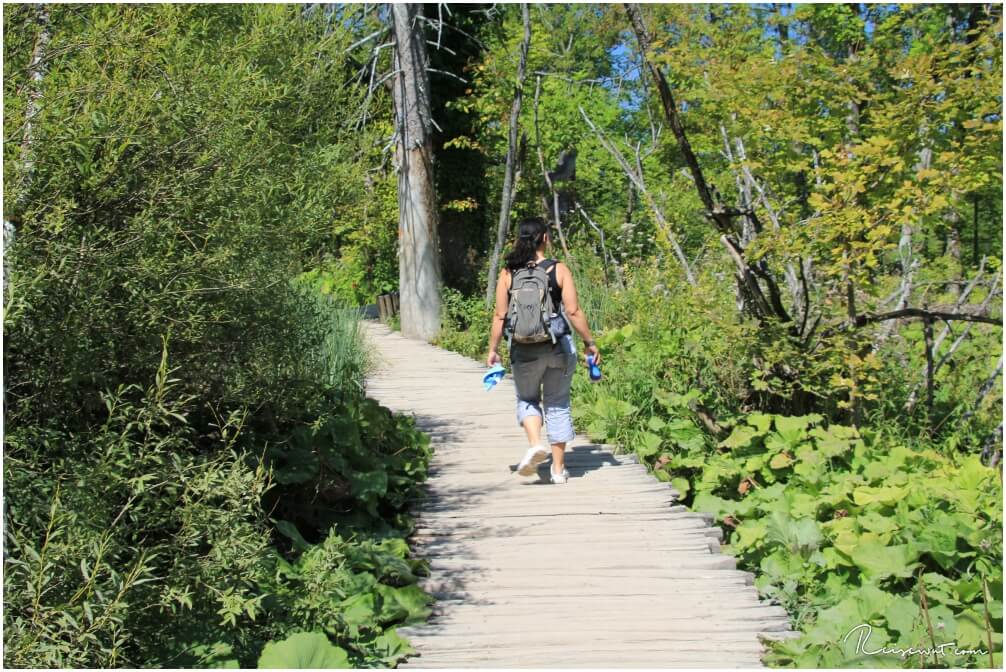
(603, 571)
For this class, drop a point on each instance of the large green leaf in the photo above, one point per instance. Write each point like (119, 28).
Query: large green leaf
(647, 444)
(759, 421)
(290, 531)
(413, 600)
(886, 496)
(903, 614)
(830, 442)
(391, 646)
(359, 610)
(797, 536)
(293, 462)
(303, 650)
(879, 561)
(740, 437)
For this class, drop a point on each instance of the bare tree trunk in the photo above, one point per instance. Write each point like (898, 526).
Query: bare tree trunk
(974, 235)
(954, 245)
(927, 330)
(418, 239)
(511, 158)
(36, 70)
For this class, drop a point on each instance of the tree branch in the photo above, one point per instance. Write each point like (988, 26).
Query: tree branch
(869, 318)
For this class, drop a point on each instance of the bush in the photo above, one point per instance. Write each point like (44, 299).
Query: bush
(184, 420)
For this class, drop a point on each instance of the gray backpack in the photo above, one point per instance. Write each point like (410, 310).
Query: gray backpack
(529, 315)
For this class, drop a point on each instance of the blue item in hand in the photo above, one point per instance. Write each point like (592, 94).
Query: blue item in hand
(493, 376)
(595, 370)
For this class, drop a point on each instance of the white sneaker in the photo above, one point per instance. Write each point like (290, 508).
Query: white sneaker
(534, 456)
(559, 478)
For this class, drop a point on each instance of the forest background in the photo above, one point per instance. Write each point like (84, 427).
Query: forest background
(785, 221)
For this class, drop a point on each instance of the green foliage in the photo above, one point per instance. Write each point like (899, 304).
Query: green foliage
(303, 650)
(355, 464)
(353, 592)
(841, 526)
(465, 324)
(143, 519)
(183, 408)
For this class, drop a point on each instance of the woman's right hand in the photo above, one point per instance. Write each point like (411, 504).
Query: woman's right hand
(592, 350)
(493, 358)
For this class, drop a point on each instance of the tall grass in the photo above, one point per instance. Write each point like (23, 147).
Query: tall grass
(343, 359)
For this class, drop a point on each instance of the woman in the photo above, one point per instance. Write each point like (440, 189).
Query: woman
(542, 370)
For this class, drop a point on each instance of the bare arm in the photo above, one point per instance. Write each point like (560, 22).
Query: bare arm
(499, 315)
(572, 305)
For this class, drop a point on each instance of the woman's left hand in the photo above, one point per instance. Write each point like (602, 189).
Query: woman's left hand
(493, 358)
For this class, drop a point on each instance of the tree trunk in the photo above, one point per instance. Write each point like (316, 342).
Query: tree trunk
(418, 240)
(36, 70)
(954, 247)
(511, 159)
(974, 235)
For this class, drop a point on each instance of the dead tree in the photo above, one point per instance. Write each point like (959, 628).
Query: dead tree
(419, 248)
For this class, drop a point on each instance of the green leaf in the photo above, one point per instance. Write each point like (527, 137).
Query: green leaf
(292, 463)
(790, 425)
(647, 444)
(655, 424)
(971, 631)
(290, 531)
(392, 646)
(218, 655)
(303, 650)
(749, 533)
(780, 461)
(740, 437)
(886, 496)
(761, 422)
(797, 536)
(877, 523)
(878, 561)
(681, 485)
(414, 601)
(903, 614)
(359, 610)
(829, 443)
(369, 485)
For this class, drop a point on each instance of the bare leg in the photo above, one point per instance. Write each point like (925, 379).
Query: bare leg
(532, 427)
(558, 457)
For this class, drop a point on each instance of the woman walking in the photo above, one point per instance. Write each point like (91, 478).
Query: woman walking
(542, 371)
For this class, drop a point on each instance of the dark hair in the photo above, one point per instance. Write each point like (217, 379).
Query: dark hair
(529, 237)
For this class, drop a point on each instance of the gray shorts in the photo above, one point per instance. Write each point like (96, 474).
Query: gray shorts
(544, 371)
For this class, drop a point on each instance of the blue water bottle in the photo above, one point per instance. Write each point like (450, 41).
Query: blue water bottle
(595, 370)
